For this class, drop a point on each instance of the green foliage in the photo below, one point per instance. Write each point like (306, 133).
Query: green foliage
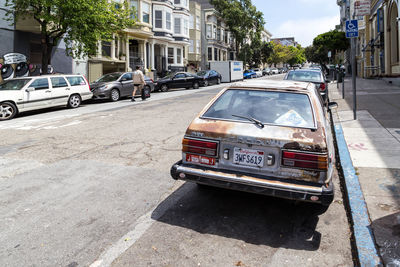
(81, 23)
(244, 21)
(333, 41)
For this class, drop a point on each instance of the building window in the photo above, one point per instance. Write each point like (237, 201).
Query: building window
(216, 54)
(177, 2)
(214, 32)
(168, 20)
(210, 57)
(145, 12)
(178, 56)
(219, 34)
(158, 17)
(191, 46)
(177, 25)
(185, 27)
(170, 55)
(106, 49)
(198, 46)
(191, 22)
(134, 4)
(208, 31)
(198, 23)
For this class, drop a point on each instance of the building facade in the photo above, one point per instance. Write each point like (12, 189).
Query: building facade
(157, 42)
(378, 49)
(195, 22)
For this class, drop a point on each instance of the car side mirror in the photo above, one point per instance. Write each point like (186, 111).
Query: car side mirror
(30, 89)
(332, 105)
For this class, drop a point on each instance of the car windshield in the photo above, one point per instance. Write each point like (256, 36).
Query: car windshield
(109, 78)
(268, 107)
(202, 73)
(14, 84)
(304, 76)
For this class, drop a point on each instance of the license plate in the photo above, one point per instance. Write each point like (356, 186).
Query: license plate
(248, 157)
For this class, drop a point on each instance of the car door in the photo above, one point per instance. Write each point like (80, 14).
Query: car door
(60, 90)
(179, 81)
(40, 96)
(127, 84)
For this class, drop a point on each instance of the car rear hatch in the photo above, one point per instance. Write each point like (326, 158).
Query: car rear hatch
(273, 151)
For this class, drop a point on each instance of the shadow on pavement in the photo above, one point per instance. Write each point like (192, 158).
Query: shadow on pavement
(254, 219)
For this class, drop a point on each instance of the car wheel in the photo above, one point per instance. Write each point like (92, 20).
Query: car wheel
(205, 83)
(114, 95)
(7, 111)
(164, 88)
(218, 81)
(196, 85)
(74, 101)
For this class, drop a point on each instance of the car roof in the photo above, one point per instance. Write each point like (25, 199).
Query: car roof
(45, 76)
(275, 85)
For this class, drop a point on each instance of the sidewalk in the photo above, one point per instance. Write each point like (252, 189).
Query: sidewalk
(373, 141)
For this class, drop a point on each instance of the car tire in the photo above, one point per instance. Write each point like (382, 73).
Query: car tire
(164, 88)
(7, 111)
(218, 81)
(205, 83)
(114, 95)
(196, 85)
(74, 101)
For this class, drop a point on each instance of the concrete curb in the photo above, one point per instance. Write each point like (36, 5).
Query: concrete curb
(364, 240)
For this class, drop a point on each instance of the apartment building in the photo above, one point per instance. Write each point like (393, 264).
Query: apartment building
(378, 48)
(157, 42)
(195, 22)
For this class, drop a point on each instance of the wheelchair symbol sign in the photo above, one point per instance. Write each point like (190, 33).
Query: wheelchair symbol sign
(351, 28)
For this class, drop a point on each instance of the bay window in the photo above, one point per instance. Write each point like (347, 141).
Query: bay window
(145, 12)
(158, 18)
(178, 56)
(208, 31)
(170, 55)
(191, 46)
(198, 23)
(177, 25)
(168, 20)
(185, 27)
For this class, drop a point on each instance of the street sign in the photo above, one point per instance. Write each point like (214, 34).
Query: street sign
(351, 28)
(329, 54)
(362, 7)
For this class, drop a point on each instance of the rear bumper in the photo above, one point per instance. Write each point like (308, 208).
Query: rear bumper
(259, 185)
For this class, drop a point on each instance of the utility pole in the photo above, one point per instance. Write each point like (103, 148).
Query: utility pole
(353, 60)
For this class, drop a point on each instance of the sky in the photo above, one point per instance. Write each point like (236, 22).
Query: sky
(302, 19)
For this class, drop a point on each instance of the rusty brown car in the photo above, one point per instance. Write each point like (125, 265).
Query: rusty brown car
(266, 137)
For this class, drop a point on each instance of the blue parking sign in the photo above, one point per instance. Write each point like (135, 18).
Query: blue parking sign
(351, 28)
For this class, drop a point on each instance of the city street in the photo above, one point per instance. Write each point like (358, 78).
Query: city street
(92, 186)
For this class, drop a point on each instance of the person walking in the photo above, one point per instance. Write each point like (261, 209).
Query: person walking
(138, 83)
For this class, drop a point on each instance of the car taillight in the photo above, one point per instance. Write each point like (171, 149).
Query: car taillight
(305, 160)
(87, 82)
(322, 87)
(200, 147)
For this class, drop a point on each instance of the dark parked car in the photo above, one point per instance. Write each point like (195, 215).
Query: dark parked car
(265, 137)
(179, 80)
(316, 77)
(209, 77)
(116, 85)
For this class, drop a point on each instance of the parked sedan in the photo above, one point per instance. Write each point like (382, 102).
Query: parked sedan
(266, 71)
(249, 74)
(114, 86)
(265, 137)
(179, 80)
(274, 71)
(258, 72)
(313, 76)
(209, 77)
(32, 93)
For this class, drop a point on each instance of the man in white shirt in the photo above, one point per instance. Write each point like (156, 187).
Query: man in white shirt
(138, 83)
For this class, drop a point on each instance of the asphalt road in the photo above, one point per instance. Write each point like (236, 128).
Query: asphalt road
(92, 187)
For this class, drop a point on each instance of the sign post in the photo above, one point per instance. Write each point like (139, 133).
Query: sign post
(352, 32)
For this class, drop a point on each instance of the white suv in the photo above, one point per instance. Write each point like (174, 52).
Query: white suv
(29, 93)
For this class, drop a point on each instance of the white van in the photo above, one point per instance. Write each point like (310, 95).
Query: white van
(30, 93)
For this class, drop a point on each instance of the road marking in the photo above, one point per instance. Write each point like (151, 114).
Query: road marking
(141, 226)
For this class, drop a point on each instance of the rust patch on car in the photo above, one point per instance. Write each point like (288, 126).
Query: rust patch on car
(210, 128)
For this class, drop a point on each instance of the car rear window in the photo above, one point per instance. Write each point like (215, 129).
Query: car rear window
(269, 107)
(76, 80)
(304, 76)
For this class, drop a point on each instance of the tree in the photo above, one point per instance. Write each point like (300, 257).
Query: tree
(296, 55)
(243, 19)
(266, 50)
(81, 24)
